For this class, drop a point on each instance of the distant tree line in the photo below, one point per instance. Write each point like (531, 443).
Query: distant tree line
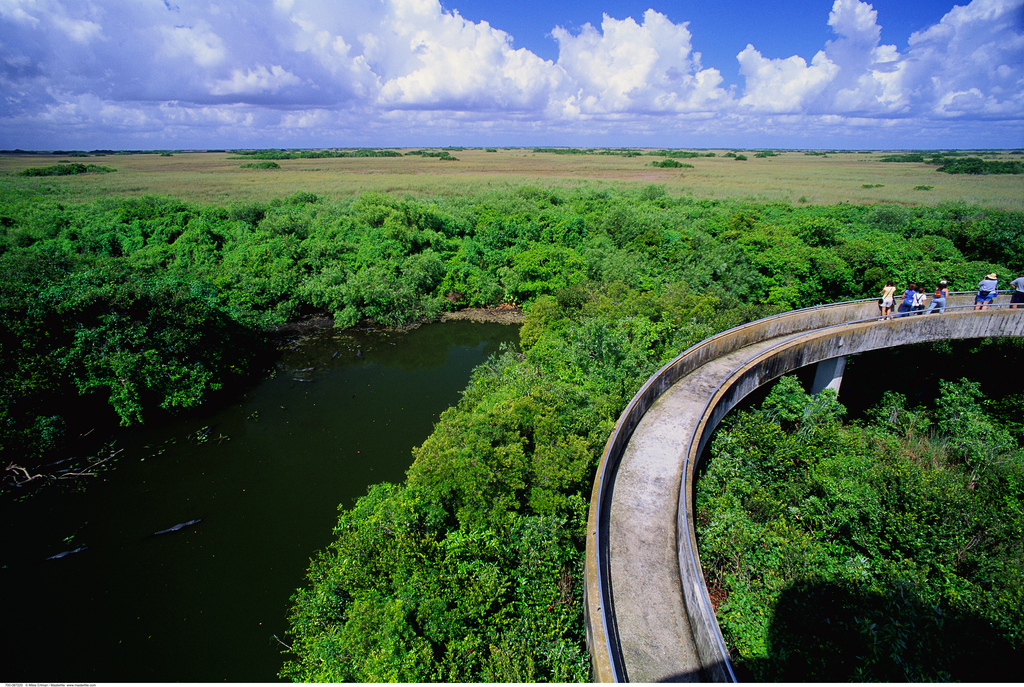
(315, 154)
(957, 164)
(64, 170)
(440, 154)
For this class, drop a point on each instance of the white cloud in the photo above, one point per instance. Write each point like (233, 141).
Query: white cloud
(868, 78)
(308, 119)
(198, 43)
(966, 65)
(856, 20)
(78, 30)
(15, 10)
(783, 85)
(630, 67)
(438, 59)
(853, 74)
(970, 62)
(259, 80)
(76, 21)
(326, 36)
(82, 111)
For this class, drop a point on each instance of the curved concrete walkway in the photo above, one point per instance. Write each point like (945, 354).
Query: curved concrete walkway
(649, 617)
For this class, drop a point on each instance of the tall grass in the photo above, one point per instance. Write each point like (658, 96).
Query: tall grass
(789, 177)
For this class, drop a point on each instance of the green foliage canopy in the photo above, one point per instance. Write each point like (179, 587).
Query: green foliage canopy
(883, 552)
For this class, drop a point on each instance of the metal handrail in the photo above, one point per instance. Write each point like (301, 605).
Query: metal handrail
(653, 388)
(612, 457)
(729, 379)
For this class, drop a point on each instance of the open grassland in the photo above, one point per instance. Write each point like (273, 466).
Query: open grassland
(790, 177)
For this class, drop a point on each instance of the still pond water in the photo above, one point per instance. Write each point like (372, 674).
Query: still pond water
(264, 476)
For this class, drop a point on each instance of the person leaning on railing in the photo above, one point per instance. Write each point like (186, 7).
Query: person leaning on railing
(1018, 292)
(988, 289)
(939, 298)
(885, 302)
(907, 306)
(919, 298)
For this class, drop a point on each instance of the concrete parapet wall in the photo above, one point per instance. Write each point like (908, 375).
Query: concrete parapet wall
(814, 334)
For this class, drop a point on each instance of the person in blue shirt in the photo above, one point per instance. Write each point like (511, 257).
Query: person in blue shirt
(988, 289)
(908, 301)
(939, 299)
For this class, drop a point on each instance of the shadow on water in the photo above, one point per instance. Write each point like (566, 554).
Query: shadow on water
(823, 632)
(262, 477)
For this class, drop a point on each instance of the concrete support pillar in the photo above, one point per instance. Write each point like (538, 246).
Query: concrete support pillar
(829, 374)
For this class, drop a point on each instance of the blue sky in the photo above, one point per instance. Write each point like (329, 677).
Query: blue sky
(385, 73)
(720, 29)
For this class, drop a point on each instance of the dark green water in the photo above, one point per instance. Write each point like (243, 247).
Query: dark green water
(265, 476)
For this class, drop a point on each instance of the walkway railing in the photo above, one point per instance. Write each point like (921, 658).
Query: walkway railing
(602, 632)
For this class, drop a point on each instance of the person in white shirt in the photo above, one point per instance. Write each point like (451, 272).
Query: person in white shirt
(917, 306)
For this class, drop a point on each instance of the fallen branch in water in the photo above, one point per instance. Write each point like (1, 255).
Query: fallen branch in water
(28, 478)
(83, 473)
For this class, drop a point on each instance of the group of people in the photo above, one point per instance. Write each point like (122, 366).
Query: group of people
(914, 297)
(913, 300)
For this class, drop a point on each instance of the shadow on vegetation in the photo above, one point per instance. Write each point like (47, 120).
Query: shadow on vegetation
(823, 632)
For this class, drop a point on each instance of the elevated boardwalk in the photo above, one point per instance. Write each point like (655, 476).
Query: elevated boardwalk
(649, 617)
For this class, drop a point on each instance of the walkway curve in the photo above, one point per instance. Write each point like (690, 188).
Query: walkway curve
(648, 614)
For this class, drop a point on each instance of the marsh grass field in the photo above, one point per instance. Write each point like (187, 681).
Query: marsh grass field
(794, 177)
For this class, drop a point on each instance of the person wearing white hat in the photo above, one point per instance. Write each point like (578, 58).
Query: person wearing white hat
(988, 289)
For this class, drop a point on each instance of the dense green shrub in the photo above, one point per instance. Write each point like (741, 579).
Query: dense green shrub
(399, 261)
(440, 154)
(671, 163)
(63, 170)
(314, 154)
(903, 157)
(92, 328)
(885, 552)
(975, 165)
(956, 163)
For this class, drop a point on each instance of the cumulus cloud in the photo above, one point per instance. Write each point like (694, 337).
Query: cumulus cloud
(198, 43)
(851, 74)
(967, 64)
(441, 61)
(630, 67)
(783, 85)
(259, 80)
(970, 62)
(78, 30)
(855, 20)
(323, 45)
(373, 71)
(73, 21)
(868, 78)
(15, 11)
